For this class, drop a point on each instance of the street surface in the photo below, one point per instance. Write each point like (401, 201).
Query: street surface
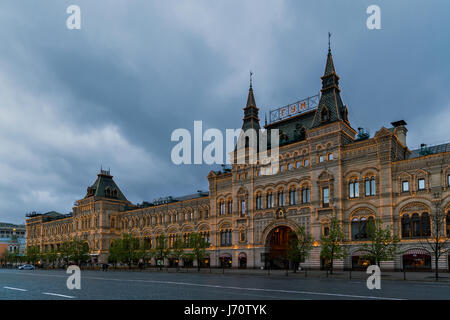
(123, 285)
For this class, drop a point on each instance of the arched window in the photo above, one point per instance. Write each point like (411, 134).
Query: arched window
(230, 206)
(306, 195)
(292, 196)
(353, 189)
(415, 219)
(416, 225)
(269, 200)
(370, 186)
(359, 228)
(259, 202)
(222, 207)
(243, 207)
(425, 225)
(280, 198)
(225, 238)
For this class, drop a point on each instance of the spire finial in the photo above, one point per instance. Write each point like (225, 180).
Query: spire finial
(251, 79)
(329, 42)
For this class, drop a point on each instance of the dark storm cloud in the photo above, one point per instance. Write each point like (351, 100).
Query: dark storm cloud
(112, 92)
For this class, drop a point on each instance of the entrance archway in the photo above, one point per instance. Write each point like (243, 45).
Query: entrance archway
(278, 243)
(417, 260)
(242, 260)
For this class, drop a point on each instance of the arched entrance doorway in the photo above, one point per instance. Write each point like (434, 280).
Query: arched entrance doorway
(242, 260)
(278, 242)
(225, 260)
(417, 260)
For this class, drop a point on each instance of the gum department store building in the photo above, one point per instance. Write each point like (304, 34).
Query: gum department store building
(326, 168)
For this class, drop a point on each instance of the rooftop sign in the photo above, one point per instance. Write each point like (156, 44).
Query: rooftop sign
(294, 109)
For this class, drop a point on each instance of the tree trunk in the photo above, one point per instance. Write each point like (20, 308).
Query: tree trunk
(436, 264)
(331, 266)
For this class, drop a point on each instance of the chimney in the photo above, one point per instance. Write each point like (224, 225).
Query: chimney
(400, 130)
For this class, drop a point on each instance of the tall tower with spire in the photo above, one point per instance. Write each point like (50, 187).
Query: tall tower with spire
(330, 107)
(251, 120)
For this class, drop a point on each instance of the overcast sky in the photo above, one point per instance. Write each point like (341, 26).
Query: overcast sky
(112, 93)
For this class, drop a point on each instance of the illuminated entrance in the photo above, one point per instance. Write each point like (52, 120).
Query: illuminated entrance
(278, 241)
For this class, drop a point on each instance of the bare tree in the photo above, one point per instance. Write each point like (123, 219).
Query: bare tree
(437, 242)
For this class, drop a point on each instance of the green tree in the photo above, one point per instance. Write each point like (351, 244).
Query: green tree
(300, 244)
(33, 254)
(438, 241)
(144, 252)
(51, 256)
(125, 250)
(162, 250)
(66, 252)
(331, 244)
(178, 251)
(198, 244)
(115, 252)
(383, 244)
(80, 251)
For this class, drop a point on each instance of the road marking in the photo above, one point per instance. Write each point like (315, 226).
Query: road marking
(58, 295)
(233, 288)
(430, 285)
(252, 289)
(17, 289)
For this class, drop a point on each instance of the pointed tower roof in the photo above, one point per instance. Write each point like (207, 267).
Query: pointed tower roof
(330, 107)
(105, 187)
(251, 120)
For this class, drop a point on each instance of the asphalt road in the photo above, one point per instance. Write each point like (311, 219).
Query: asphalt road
(97, 285)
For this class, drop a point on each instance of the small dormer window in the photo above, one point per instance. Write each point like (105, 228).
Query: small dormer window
(325, 115)
(108, 192)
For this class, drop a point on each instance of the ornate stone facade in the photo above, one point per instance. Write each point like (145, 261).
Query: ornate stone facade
(326, 168)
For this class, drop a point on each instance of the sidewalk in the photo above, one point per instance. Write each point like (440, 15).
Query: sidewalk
(308, 274)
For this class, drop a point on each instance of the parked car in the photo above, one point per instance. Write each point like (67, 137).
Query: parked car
(26, 267)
